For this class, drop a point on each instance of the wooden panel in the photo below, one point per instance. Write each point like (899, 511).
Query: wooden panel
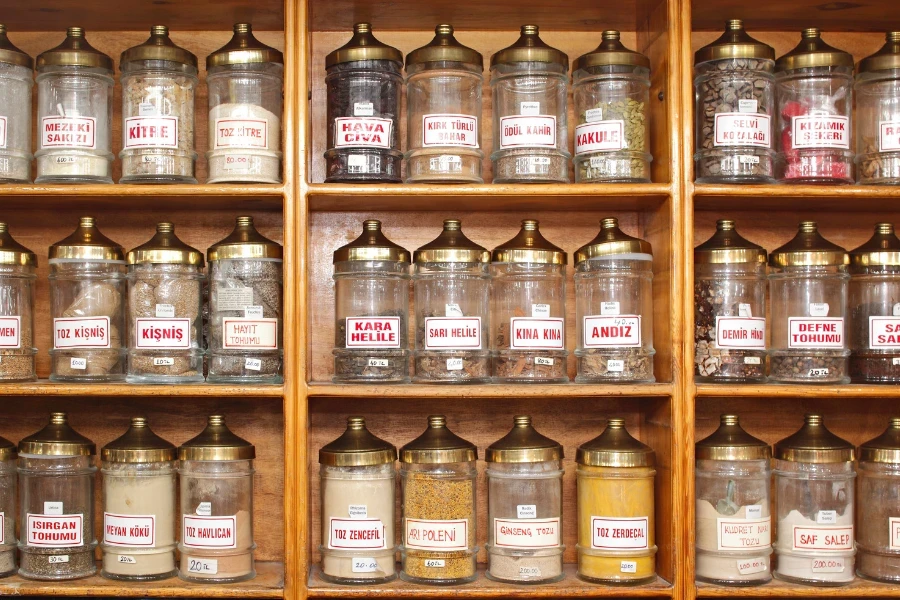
(860, 588)
(377, 390)
(789, 392)
(44, 387)
(857, 15)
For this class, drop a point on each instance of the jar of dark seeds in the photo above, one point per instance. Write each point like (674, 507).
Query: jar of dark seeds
(16, 83)
(8, 499)
(729, 308)
(808, 289)
(734, 91)
(878, 115)
(17, 275)
(453, 302)
(245, 307)
(56, 503)
(363, 82)
(371, 309)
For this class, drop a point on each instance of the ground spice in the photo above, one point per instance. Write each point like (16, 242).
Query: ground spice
(709, 360)
(603, 166)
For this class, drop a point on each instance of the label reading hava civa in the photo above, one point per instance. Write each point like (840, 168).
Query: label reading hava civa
(362, 132)
(537, 333)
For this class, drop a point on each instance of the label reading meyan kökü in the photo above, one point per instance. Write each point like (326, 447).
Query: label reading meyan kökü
(424, 534)
(132, 531)
(240, 333)
(817, 131)
(528, 131)
(150, 132)
(10, 332)
(55, 531)
(362, 132)
(620, 331)
(357, 534)
(241, 133)
(741, 129)
(532, 333)
(815, 332)
(449, 130)
(526, 533)
(162, 334)
(373, 332)
(209, 532)
(88, 332)
(453, 333)
(741, 333)
(625, 533)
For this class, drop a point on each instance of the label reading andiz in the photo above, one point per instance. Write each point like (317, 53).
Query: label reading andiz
(56, 531)
(528, 131)
(822, 537)
(362, 132)
(449, 130)
(742, 129)
(622, 331)
(815, 332)
(241, 133)
(150, 132)
(453, 333)
(209, 532)
(599, 136)
(88, 332)
(526, 533)
(820, 131)
(68, 132)
(422, 534)
(531, 333)
(373, 332)
(357, 534)
(884, 332)
(129, 530)
(10, 333)
(741, 332)
(739, 534)
(242, 333)
(162, 334)
(619, 533)
(889, 136)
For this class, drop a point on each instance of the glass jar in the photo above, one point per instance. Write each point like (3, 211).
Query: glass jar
(8, 499)
(245, 80)
(245, 308)
(815, 103)
(56, 503)
(734, 106)
(734, 525)
(528, 309)
(158, 83)
(75, 93)
(357, 503)
(524, 476)
(16, 82)
(614, 308)
(138, 506)
(531, 143)
(215, 481)
(808, 291)
(87, 304)
(363, 84)
(877, 91)
(165, 280)
(17, 275)
(371, 309)
(729, 308)
(443, 99)
(814, 476)
(452, 299)
(878, 517)
(616, 516)
(612, 103)
(437, 482)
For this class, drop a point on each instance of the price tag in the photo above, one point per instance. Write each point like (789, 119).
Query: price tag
(253, 312)
(55, 559)
(543, 360)
(454, 364)
(206, 566)
(435, 563)
(530, 571)
(628, 566)
(751, 360)
(818, 309)
(817, 373)
(752, 565)
(253, 364)
(895, 361)
(364, 565)
(356, 163)
(828, 565)
(615, 365)
(128, 560)
(163, 361)
(540, 310)
(378, 362)
(165, 311)
(78, 363)
(748, 160)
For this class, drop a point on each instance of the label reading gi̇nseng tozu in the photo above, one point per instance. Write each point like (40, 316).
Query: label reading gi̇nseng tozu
(742, 129)
(740, 534)
(815, 332)
(530, 333)
(241, 133)
(68, 132)
(620, 533)
(621, 331)
(55, 531)
(453, 333)
(373, 332)
(209, 532)
(822, 537)
(820, 131)
(741, 333)
(357, 534)
(242, 333)
(10, 333)
(87, 332)
(600, 136)
(449, 130)
(362, 132)
(162, 334)
(150, 132)
(526, 533)
(133, 531)
(424, 534)
(884, 332)
(528, 131)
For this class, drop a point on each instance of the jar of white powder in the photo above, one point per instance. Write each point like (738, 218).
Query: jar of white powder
(16, 81)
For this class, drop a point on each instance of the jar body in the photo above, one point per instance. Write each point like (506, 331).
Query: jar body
(16, 83)
(874, 316)
(878, 127)
(8, 499)
(876, 541)
(17, 323)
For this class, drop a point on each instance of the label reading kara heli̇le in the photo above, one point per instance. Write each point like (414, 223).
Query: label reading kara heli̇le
(815, 332)
(526, 533)
(150, 132)
(612, 533)
(819, 131)
(241, 133)
(822, 537)
(209, 532)
(357, 534)
(742, 534)
(68, 132)
(884, 332)
(10, 333)
(422, 534)
(741, 333)
(449, 130)
(528, 131)
(242, 333)
(362, 132)
(92, 332)
(55, 531)
(742, 129)
(373, 332)
(132, 531)
(531, 333)
(622, 331)
(453, 333)
(162, 334)
(600, 136)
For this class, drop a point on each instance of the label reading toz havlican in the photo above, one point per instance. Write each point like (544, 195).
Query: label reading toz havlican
(209, 532)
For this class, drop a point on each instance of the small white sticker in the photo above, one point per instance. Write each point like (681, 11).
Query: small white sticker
(165, 311)
(526, 511)
(78, 363)
(128, 560)
(543, 360)
(358, 511)
(147, 109)
(55, 559)
(614, 365)
(826, 517)
(827, 565)
(205, 566)
(204, 509)
(540, 310)
(363, 109)
(754, 511)
(63, 160)
(628, 566)
(253, 312)
(817, 373)
(454, 364)
(749, 105)
(751, 360)
(529, 108)
(163, 361)
(253, 364)
(452, 310)
(378, 362)
(897, 309)
(357, 163)
(445, 163)
(750, 566)
(530, 571)
(895, 361)
(609, 308)
(744, 159)
(53, 508)
(593, 114)
(364, 565)
(745, 310)
(434, 563)
(818, 309)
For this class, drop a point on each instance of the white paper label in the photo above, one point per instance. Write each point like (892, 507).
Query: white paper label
(526, 511)
(134, 531)
(363, 565)
(209, 532)
(615, 365)
(884, 332)
(242, 333)
(2, 527)
(53, 508)
(236, 162)
(526, 132)
(823, 537)
(820, 131)
(357, 163)
(165, 311)
(599, 136)
(55, 559)
(378, 362)
(609, 309)
(363, 109)
(532, 165)
(749, 566)
(458, 333)
(526, 533)
(540, 310)
(68, 132)
(241, 133)
(828, 565)
(78, 363)
(162, 334)
(357, 534)
(163, 361)
(449, 130)
(127, 560)
(741, 332)
(745, 310)
(543, 361)
(205, 566)
(751, 360)
(147, 109)
(232, 299)
(893, 532)
(435, 563)
(754, 511)
(452, 309)
(628, 566)
(895, 361)
(10, 333)
(204, 509)
(623, 331)
(373, 332)
(454, 364)
(357, 511)
(56, 531)
(826, 517)
(362, 132)
(619, 533)
(745, 159)
(743, 129)
(3, 131)
(529, 571)
(592, 115)
(422, 534)
(741, 534)
(445, 163)
(818, 309)
(253, 364)
(253, 312)
(529, 108)
(748, 105)
(889, 136)
(89, 332)
(530, 333)
(823, 332)
(150, 132)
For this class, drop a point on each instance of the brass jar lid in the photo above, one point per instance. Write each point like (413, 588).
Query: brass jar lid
(87, 243)
(452, 246)
(882, 250)
(885, 448)
(357, 447)
(731, 442)
(159, 47)
(216, 442)
(363, 46)
(523, 444)
(57, 439)
(611, 53)
(445, 48)
(74, 52)
(529, 246)
(11, 55)
(8, 450)
(611, 241)
(244, 242)
(371, 245)
(244, 49)
(886, 59)
(735, 43)
(530, 48)
(139, 445)
(727, 247)
(813, 443)
(12, 252)
(438, 445)
(165, 248)
(615, 448)
(813, 52)
(809, 249)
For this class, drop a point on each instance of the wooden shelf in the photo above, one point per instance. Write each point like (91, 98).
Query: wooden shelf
(856, 198)
(44, 387)
(794, 15)
(772, 390)
(563, 390)
(782, 589)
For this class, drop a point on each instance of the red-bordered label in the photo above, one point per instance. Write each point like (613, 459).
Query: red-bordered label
(528, 131)
(424, 534)
(526, 533)
(815, 332)
(85, 332)
(357, 534)
(741, 332)
(449, 131)
(619, 331)
(68, 132)
(162, 334)
(373, 332)
(531, 333)
(453, 333)
(626, 533)
(209, 532)
(743, 129)
(132, 531)
(241, 333)
(599, 136)
(362, 132)
(150, 132)
(823, 537)
(241, 133)
(54, 531)
(10, 333)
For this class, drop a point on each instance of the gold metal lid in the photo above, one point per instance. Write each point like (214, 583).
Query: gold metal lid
(8, 450)
(809, 249)
(882, 249)
(611, 53)
(611, 241)
(444, 48)
(523, 444)
(813, 52)
(87, 243)
(57, 439)
(452, 246)
(357, 447)
(530, 48)
(12, 252)
(371, 245)
(731, 442)
(615, 448)
(438, 445)
(165, 248)
(244, 49)
(139, 445)
(734, 43)
(159, 47)
(216, 442)
(363, 46)
(244, 242)
(813, 443)
(11, 55)
(886, 59)
(727, 247)
(885, 448)
(74, 52)
(529, 246)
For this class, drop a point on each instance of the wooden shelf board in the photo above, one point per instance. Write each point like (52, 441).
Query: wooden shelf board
(782, 589)
(765, 15)
(44, 387)
(791, 198)
(774, 390)
(566, 390)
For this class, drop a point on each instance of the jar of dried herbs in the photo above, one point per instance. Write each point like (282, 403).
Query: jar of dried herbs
(453, 302)
(878, 534)
(363, 84)
(528, 309)
(17, 275)
(614, 308)
(158, 82)
(245, 307)
(437, 482)
(612, 102)
(56, 503)
(371, 309)
(8, 499)
(878, 115)
(16, 82)
(524, 476)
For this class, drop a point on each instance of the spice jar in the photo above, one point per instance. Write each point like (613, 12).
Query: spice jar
(808, 290)
(878, 517)
(614, 308)
(245, 307)
(878, 115)
(138, 506)
(357, 486)
(529, 80)
(443, 99)
(528, 309)
(87, 303)
(616, 518)
(371, 309)
(215, 479)
(815, 102)
(524, 477)
(56, 503)
(8, 498)
(164, 298)
(612, 99)
(363, 84)
(75, 91)
(734, 526)
(814, 475)
(16, 81)
(17, 275)
(245, 80)
(437, 481)
(734, 94)
(158, 82)
(452, 299)
(729, 308)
